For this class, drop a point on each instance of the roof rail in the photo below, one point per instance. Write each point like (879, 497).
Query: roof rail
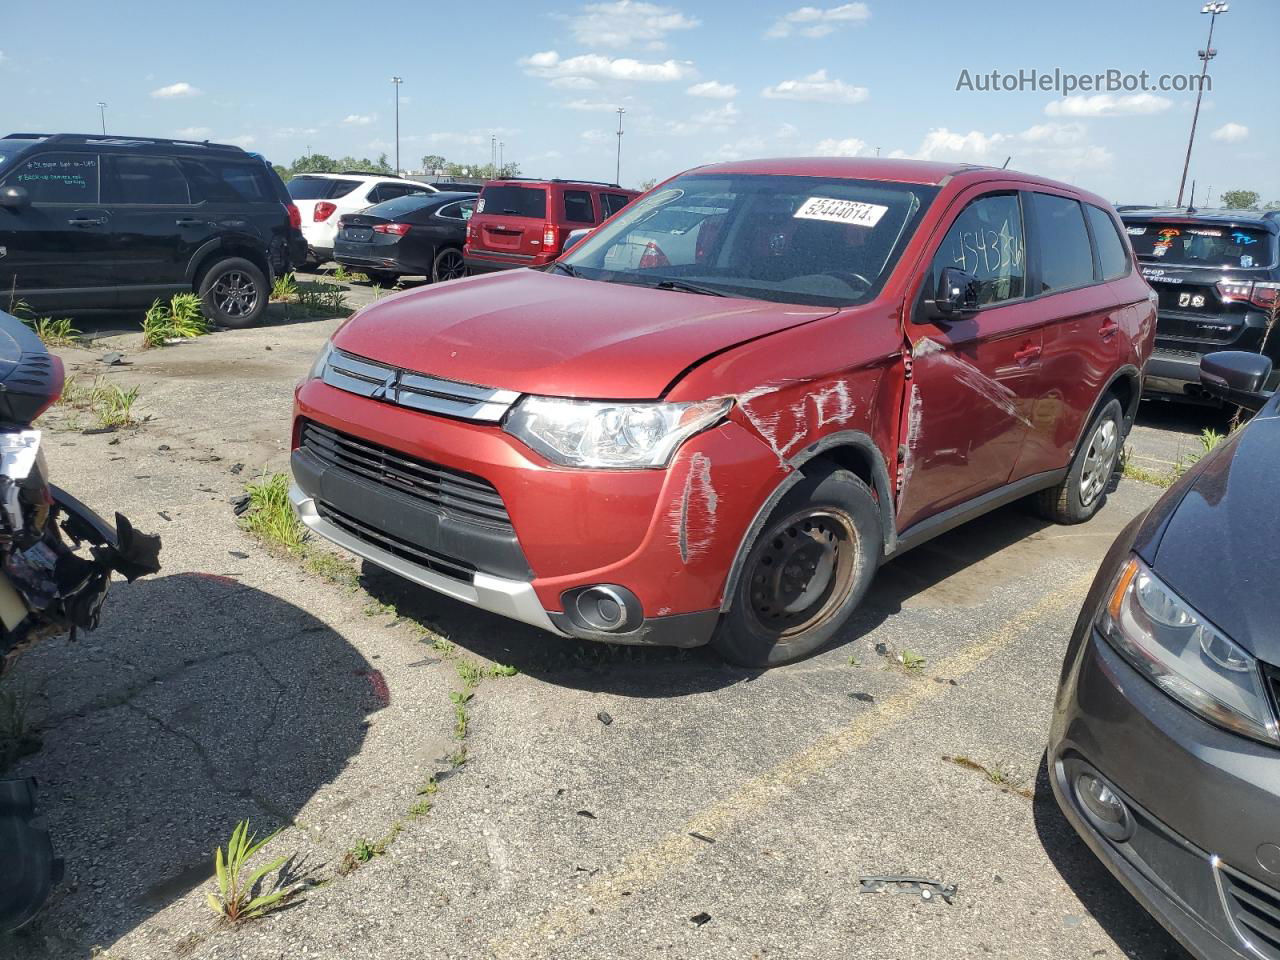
(115, 140)
(360, 173)
(598, 183)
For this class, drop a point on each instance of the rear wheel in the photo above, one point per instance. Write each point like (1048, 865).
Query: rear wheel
(382, 278)
(806, 572)
(1088, 480)
(233, 293)
(448, 265)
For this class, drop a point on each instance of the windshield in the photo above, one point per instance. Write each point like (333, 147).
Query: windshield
(401, 206)
(320, 188)
(1199, 245)
(9, 150)
(805, 240)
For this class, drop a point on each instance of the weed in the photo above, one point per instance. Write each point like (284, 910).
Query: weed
(997, 774)
(179, 319)
(458, 758)
(19, 307)
(284, 289)
(469, 672)
(420, 808)
(1210, 438)
(55, 333)
(76, 395)
(377, 292)
(459, 699)
(1132, 471)
(911, 660)
(333, 568)
(334, 300)
(114, 405)
(270, 515)
(340, 274)
(855, 662)
(429, 788)
(16, 736)
(501, 670)
(363, 851)
(446, 648)
(235, 900)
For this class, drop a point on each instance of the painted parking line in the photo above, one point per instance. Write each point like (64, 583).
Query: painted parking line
(644, 869)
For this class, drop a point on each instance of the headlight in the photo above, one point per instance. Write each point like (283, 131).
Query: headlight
(1185, 655)
(583, 433)
(321, 361)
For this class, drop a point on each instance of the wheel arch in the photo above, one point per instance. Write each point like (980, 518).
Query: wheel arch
(851, 450)
(1125, 385)
(224, 249)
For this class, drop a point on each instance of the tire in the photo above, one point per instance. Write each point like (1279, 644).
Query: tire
(785, 608)
(234, 293)
(448, 265)
(382, 278)
(1082, 494)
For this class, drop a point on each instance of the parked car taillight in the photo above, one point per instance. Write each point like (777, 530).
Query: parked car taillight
(295, 216)
(1260, 294)
(550, 237)
(324, 210)
(399, 229)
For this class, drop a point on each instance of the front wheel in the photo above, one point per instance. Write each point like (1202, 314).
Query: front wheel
(806, 572)
(234, 293)
(1084, 490)
(448, 265)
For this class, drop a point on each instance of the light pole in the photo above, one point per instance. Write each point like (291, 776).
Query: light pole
(493, 155)
(617, 170)
(501, 163)
(396, 81)
(102, 112)
(1208, 53)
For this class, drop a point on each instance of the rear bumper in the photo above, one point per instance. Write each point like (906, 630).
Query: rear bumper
(489, 262)
(1172, 372)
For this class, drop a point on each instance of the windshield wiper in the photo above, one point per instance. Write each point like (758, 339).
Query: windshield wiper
(684, 287)
(557, 265)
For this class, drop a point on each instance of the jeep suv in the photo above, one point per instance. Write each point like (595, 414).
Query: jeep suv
(524, 223)
(98, 222)
(1217, 273)
(813, 366)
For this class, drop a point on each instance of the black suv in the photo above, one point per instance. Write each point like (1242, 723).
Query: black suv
(103, 222)
(1217, 273)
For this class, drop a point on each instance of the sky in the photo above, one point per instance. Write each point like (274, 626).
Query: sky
(700, 82)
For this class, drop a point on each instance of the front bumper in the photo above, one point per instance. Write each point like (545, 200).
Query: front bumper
(1202, 802)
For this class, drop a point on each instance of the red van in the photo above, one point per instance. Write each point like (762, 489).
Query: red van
(524, 223)
(716, 416)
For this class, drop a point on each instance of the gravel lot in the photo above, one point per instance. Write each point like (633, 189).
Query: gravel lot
(610, 799)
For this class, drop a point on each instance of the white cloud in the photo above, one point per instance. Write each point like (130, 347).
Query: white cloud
(360, 119)
(285, 132)
(550, 65)
(595, 136)
(738, 149)
(1230, 133)
(181, 89)
(786, 131)
(193, 133)
(469, 138)
(574, 83)
(1107, 105)
(2, 57)
(818, 22)
(592, 105)
(817, 87)
(717, 118)
(848, 147)
(713, 90)
(1060, 148)
(627, 22)
(244, 140)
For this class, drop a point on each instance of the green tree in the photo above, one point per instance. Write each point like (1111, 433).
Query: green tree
(314, 163)
(1240, 199)
(1273, 205)
(284, 172)
(433, 162)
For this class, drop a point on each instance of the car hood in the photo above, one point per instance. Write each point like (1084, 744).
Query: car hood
(1220, 549)
(552, 334)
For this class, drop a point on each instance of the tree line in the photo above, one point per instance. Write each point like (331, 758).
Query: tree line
(432, 165)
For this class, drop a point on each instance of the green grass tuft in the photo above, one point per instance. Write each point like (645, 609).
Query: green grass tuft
(270, 515)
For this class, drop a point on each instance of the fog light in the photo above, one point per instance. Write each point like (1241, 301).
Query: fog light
(1104, 808)
(606, 608)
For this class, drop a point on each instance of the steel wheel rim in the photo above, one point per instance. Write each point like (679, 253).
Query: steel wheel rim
(1099, 461)
(450, 267)
(804, 572)
(235, 294)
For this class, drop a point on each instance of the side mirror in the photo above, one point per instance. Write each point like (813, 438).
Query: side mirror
(957, 294)
(1236, 376)
(14, 198)
(574, 238)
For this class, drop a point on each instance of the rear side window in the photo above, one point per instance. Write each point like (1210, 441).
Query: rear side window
(1065, 256)
(458, 210)
(59, 178)
(514, 201)
(320, 188)
(220, 181)
(147, 180)
(1111, 249)
(986, 241)
(1199, 244)
(577, 207)
(613, 202)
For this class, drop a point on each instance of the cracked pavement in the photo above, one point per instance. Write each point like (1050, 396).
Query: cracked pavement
(235, 684)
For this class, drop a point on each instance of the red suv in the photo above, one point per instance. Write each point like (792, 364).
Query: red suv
(524, 223)
(723, 410)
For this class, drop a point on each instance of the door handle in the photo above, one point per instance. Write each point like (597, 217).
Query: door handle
(1027, 353)
(87, 221)
(191, 222)
(1108, 329)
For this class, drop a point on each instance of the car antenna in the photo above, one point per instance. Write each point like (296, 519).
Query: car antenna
(1191, 203)
(1005, 165)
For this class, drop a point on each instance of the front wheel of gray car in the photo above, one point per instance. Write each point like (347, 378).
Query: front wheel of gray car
(1082, 494)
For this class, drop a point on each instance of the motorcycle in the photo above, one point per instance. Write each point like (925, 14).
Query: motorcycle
(57, 558)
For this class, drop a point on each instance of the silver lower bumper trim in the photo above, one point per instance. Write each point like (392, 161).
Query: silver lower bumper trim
(508, 598)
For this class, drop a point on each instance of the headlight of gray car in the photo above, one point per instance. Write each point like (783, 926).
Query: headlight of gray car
(1185, 655)
(587, 433)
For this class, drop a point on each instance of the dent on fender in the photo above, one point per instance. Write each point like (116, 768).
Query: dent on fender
(930, 351)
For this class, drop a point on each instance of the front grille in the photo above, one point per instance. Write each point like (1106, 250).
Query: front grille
(417, 391)
(450, 492)
(397, 546)
(1254, 911)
